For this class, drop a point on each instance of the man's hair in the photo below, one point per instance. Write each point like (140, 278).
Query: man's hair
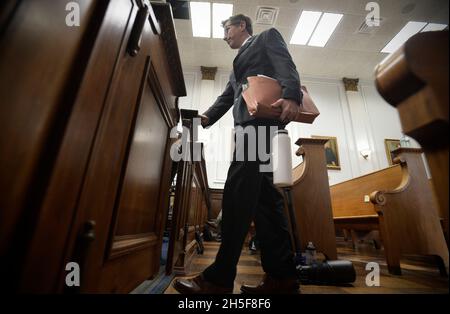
(237, 19)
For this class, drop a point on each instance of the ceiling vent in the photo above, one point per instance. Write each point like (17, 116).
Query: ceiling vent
(366, 29)
(266, 15)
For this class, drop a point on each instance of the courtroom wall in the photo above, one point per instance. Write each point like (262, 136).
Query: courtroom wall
(356, 125)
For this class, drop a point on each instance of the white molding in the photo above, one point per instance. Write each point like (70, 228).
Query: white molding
(346, 118)
(370, 131)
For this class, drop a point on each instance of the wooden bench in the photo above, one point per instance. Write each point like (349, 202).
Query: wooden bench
(408, 217)
(311, 198)
(352, 210)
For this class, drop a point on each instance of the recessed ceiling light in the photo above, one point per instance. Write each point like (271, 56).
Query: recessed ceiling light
(434, 27)
(305, 26)
(326, 27)
(410, 29)
(201, 19)
(221, 11)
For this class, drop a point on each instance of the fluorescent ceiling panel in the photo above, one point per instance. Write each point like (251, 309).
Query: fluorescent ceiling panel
(410, 29)
(201, 19)
(325, 29)
(434, 27)
(305, 26)
(221, 11)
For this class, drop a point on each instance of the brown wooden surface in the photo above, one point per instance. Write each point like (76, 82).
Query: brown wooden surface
(351, 212)
(87, 137)
(414, 208)
(347, 198)
(216, 202)
(192, 204)
(414, 79)
(41, 65)
(409, 216)
(311, 198)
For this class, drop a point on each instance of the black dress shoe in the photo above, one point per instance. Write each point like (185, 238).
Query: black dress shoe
(199, 285)
(271, 285)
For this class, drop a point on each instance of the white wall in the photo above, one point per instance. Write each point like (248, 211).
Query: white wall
(358, 120)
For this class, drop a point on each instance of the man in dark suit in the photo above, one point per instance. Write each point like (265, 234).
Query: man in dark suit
(249, 193)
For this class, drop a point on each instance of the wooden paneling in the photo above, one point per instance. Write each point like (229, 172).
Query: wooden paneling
(216, 202)
(141, 185)
(88, 141)
(42, 64)
(28, 115)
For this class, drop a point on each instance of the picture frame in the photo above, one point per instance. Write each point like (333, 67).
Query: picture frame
(391, 145)
(331, 152)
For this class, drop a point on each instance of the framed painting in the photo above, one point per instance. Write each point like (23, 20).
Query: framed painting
(391, 145)
(331, 152)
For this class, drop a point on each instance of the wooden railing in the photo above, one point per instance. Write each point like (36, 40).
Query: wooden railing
(192, 204)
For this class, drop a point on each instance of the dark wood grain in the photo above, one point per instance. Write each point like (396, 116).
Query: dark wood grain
(311, 198)
(414, 79)
(86, 168)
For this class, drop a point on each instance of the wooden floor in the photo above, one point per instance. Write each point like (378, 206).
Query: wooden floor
(419, 275)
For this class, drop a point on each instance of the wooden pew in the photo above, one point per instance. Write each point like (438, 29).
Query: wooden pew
(311, 198)
(401, 203)
(192, 204)
(409, 215)
(414, 79)
(352, 210)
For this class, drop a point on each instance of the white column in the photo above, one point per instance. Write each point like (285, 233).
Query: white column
(207, 96)
(360, 126)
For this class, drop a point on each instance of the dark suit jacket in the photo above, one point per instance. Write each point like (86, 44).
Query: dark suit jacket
(265, 54)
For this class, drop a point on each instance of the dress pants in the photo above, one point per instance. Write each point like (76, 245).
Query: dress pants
(249, 195)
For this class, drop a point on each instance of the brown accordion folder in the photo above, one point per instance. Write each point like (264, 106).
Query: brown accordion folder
(262, 91)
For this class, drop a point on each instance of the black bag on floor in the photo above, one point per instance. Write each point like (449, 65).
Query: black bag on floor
(319, 273)
(336, 272)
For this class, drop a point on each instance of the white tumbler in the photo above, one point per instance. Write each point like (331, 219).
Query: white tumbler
(282, 159)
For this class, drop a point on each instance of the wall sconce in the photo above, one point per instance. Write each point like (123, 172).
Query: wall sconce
(365, 153)
(404, 141)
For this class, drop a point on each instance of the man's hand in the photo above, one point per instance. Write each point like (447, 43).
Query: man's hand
(289, 109)
(204, 119)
